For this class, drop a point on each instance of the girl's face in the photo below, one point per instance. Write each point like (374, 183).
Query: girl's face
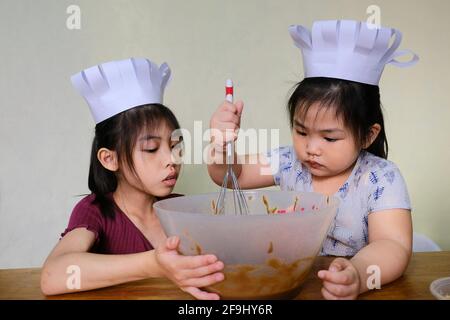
(154, 163)
(323, 143)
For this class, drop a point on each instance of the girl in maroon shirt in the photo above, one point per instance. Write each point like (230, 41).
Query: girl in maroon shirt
(114, 235)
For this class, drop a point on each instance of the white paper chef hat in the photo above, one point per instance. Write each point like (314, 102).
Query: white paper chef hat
(349, 50)
(116, 86)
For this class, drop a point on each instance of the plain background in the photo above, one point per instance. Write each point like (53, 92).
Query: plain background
(46, 127)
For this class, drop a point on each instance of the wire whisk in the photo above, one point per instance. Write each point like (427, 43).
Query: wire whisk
(230, 179)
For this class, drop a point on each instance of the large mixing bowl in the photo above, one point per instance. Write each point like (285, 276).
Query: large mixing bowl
(266, 255)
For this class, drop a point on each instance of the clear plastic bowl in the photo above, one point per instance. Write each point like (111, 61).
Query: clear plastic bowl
(266, 256)
(440, 288)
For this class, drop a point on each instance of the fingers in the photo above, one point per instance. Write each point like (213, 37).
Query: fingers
(235, 108)
(340, 281)
(338, 272)
(328, 295)
(192, 262)
(239, 107)
(198, 271)
(168, 255)
(227, 116)
(205, 270)
(225, 123)
(200, 294)
(337, 290)
(202, 281)
(219, 138)
(194, 266)
(338, 264)
(335, 277)
(228, 119)
(172, 243)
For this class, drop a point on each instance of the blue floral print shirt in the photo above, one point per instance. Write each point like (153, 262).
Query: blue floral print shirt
(374, 185)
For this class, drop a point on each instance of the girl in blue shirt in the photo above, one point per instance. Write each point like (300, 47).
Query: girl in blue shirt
(339, 147)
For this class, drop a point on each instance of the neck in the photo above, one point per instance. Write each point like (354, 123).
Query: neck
(133, 202)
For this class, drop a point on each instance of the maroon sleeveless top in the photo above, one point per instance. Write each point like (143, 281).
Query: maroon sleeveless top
(117, 235)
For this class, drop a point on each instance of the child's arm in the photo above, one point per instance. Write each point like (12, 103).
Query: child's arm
(98, 270)
(252, 171)
(389, 249)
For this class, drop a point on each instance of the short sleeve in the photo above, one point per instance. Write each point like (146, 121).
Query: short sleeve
(86, 215)
(387, 190)
(280, 160)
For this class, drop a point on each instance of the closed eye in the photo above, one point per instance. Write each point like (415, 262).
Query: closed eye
(150, 150)
(331, 139)
(301, 133)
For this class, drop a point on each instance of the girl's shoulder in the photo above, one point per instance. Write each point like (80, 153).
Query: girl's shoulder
(87, 209)
(382, 183)
(372, 163)
(87, 214)
(377, 172)
(87, 204)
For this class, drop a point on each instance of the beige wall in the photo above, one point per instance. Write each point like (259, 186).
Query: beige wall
(46, 128)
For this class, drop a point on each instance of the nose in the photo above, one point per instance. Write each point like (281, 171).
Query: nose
(313, 147)
(168, 158)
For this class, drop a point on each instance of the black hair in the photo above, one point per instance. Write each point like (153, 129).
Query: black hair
(119, 133)
(357, 104)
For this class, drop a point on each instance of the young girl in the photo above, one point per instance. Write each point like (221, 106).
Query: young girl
(113, 234)
(339, 148)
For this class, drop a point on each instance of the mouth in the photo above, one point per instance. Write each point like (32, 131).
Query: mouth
(171, 179)
(314, 164)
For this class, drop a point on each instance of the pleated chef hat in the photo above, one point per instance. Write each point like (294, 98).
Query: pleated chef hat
(349, 50)
(116, 86)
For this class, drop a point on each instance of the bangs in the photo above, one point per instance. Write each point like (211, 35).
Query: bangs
(326, 99)
(150, 120)
(305, 105)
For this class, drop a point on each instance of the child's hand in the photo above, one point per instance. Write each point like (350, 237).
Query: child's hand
(189, 272)
(225, 123)
(340, 281)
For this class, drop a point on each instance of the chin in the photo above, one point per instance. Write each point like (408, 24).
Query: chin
(320, 173)
(158, 192)
(163, 192)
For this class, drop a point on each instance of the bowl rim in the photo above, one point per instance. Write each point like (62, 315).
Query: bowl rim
(246, 192)
(433, 288)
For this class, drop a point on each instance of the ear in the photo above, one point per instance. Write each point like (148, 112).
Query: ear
(373, 134)
(108, 159)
